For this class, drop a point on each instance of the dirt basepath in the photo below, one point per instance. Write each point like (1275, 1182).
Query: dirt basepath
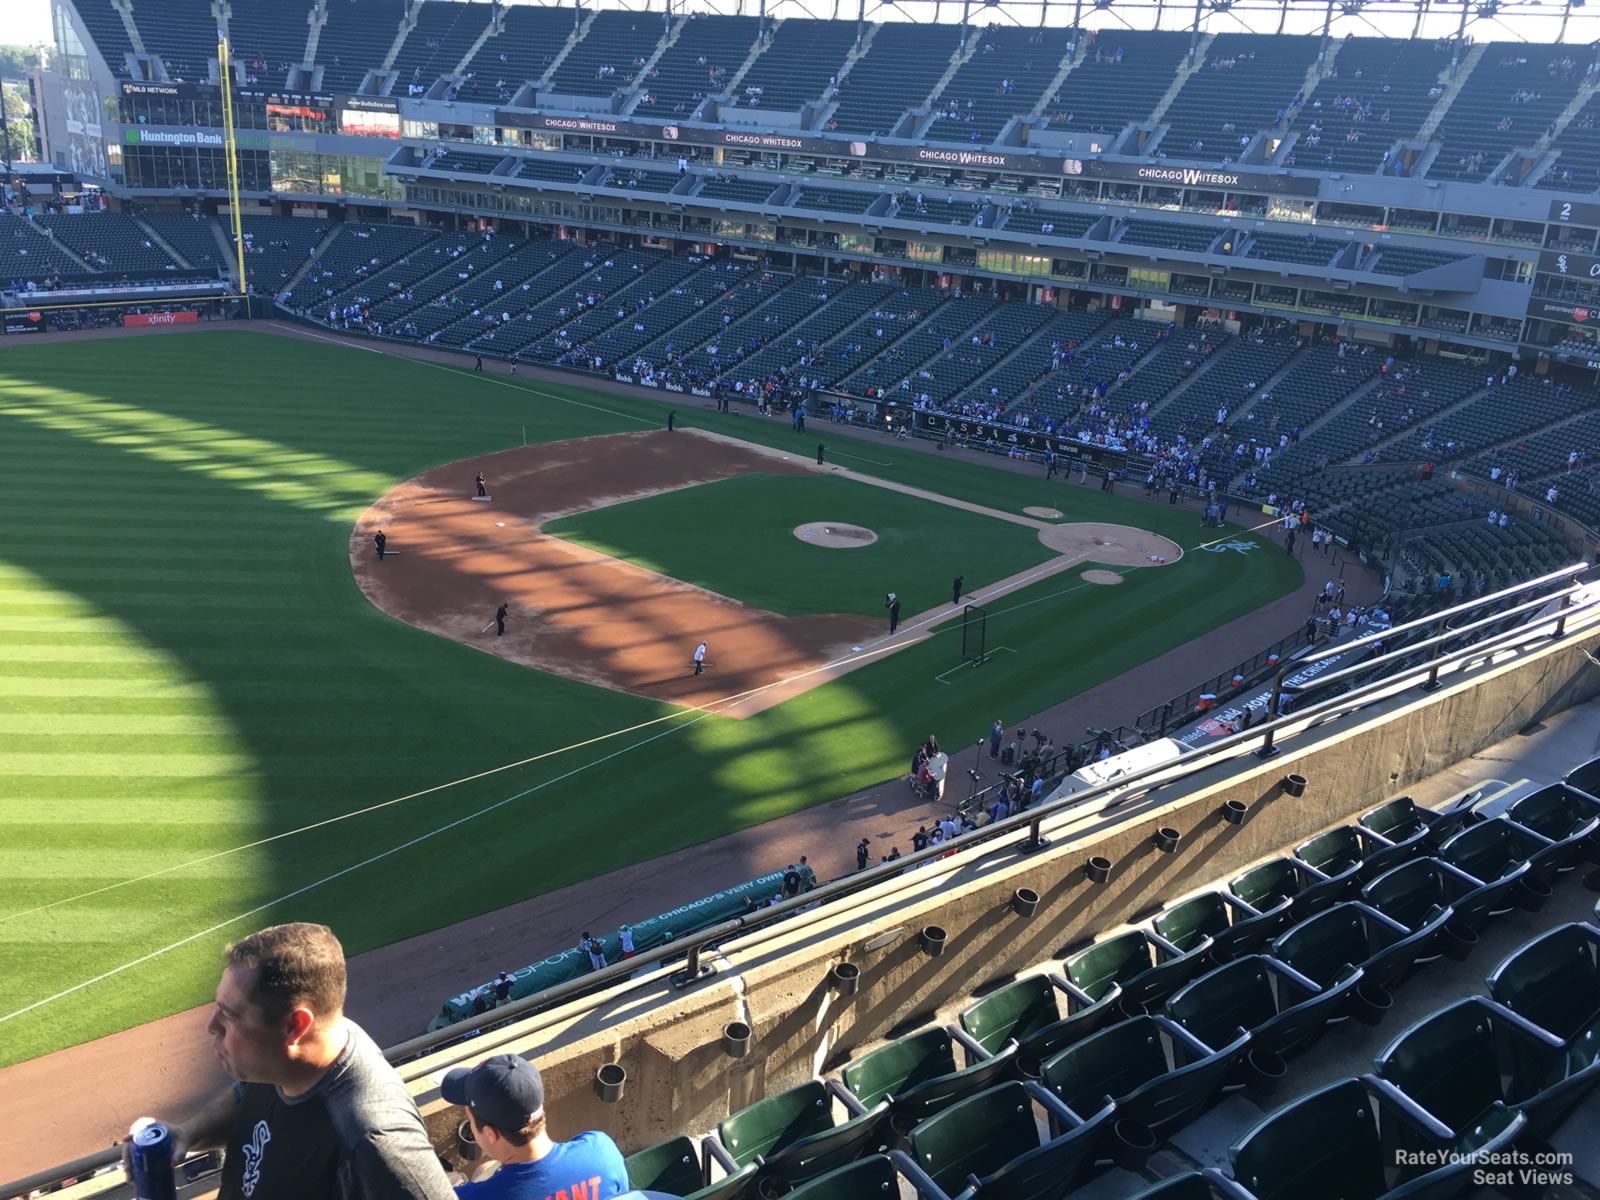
(91, 1092)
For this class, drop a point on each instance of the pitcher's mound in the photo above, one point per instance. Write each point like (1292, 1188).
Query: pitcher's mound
(1044, 514)
(1098, 576)
(1114, 545)
(834, 536)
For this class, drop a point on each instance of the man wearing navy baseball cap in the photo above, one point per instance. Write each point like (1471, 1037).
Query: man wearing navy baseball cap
(504, 1099)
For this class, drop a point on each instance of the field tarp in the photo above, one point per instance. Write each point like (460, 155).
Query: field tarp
(647, 935)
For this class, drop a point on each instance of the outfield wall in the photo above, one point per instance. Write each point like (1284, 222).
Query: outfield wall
(679, 1079)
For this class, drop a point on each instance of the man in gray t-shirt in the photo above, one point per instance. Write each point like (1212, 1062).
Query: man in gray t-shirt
(317, 1111)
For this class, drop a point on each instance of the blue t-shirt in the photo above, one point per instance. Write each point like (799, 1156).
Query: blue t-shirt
(589, 1167)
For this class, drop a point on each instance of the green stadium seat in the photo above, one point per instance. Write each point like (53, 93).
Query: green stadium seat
(1282, 1010)
(1306, 889)
(1564, 815)
(672, 1167)
(1351, 850)
(793, 1137)
(1040, 1014)
(1585, 777)
(1554, 981)
(743, 1184)
(1415, 899)
(1346, 1142)
(1195, 1185)
(1402, 820)
(1409, 892)
(1159, 1074)
(1234, 927)
(1143, 967)
(872, 1178)
(1502, 856)
(918, 1076)
(1467, 1063)
(1353, 934)
(988, 1145)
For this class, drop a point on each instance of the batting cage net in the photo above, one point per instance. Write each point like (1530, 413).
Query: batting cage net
(974, 624)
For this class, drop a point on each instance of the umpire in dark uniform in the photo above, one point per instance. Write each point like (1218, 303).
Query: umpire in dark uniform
(380, 541)
(955, 589)
(483, 484)
(500, 620)
(821, 449)
(892, 603)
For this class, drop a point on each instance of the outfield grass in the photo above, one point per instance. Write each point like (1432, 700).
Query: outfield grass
(736, 537)
(187, 668)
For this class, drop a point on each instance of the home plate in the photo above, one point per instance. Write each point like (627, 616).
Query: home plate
(485, 499)
(499, 524)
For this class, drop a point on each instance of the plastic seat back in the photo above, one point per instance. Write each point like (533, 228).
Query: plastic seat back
(872, 1178)
(1169, 1102)
(1489, 851)
(1268, 885)
(1214, 1006)
(1096, 968)
(1053, 1169)
(1190, 922)
(903, 1064)
(821, 1152)
(976, 1136)
(1019, 1008)
(1320, 946)
(672, 1166)
(1410, 892)
(1448, 1063)
(1399, 820)
(1193, 1186)
(1114, 1062)
(1567, 817)
(1585, 777)
(1336, 853)
(1324, 1144)
(743, 1184)
(1554, 981)
(769, 1125)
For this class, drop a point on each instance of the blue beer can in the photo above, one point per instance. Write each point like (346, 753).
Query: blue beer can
(154, 1173)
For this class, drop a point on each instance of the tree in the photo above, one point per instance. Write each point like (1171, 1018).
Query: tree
(17, 62)
(19, 122)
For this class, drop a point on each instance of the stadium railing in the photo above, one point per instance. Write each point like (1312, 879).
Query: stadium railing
(1569, 611)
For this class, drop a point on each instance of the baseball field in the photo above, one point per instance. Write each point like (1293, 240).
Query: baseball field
(217, 710)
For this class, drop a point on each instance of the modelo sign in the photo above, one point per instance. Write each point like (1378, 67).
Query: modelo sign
(184, 316)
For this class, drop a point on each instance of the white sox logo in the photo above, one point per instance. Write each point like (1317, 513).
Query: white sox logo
(259, 1137)
(1238, 547)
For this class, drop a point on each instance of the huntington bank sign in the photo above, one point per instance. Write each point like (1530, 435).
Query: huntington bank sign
(136, 136)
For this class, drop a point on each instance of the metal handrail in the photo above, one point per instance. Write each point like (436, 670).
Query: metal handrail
(1031, 822)
(1438, 622)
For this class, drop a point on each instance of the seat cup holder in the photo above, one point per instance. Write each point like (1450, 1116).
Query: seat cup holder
(1134, 1143)
(1265, 1071)
(1458, 942)
(1371, 1003)
(1532, 895)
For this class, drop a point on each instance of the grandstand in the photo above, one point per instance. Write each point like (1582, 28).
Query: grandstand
(1313, 272)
